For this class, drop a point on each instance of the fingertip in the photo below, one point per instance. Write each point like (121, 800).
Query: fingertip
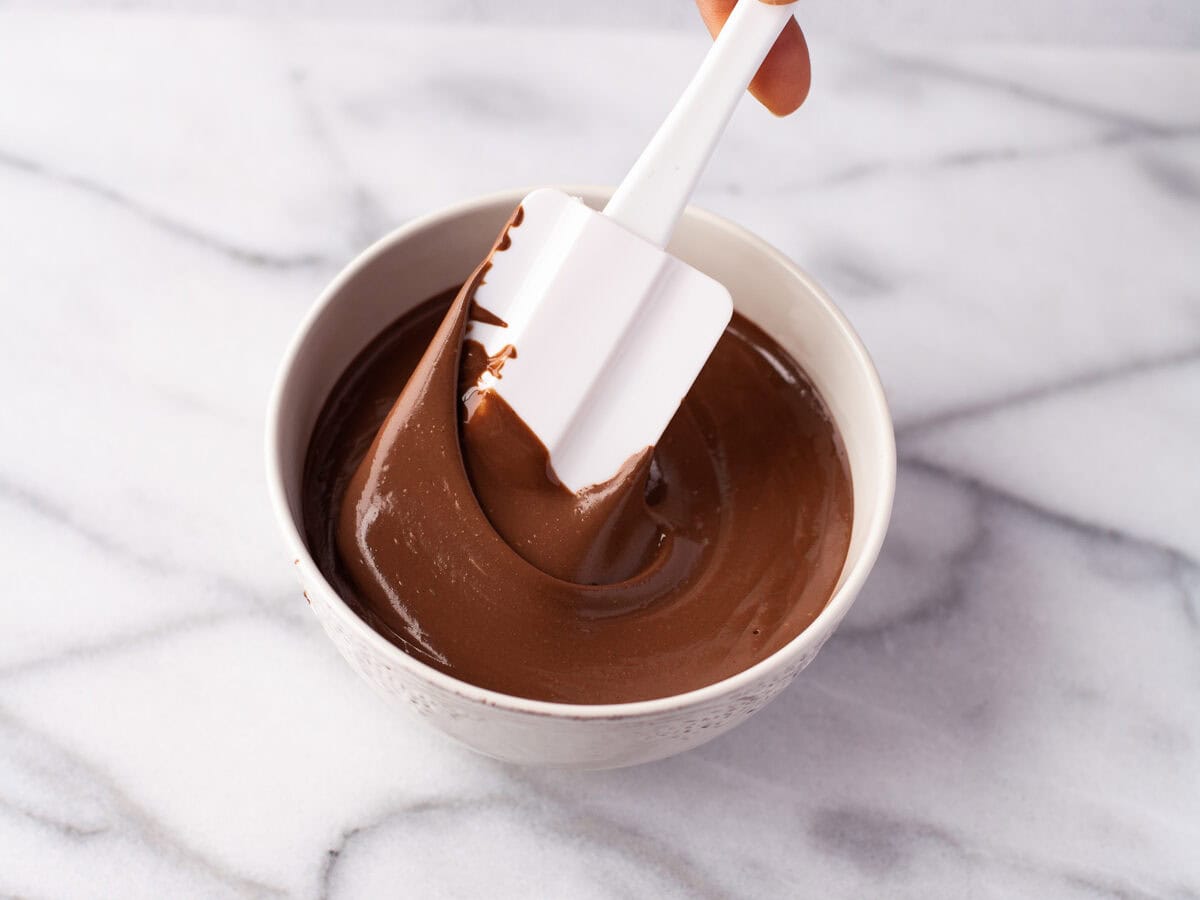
(783, 81)
(785, 78)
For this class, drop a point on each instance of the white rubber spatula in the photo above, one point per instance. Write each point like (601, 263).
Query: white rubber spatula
(610, 330)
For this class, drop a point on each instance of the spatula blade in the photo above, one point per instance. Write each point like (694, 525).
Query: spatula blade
(610, 332)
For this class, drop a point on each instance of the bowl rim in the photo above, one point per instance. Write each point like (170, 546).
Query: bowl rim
(812, 636)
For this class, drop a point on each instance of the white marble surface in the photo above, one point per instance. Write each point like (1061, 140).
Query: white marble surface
(1012, 708)
(1158, 23)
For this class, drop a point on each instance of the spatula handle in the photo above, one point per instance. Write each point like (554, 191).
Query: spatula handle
(657, 188)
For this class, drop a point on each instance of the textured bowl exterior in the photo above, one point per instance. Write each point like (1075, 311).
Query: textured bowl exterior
(555, 739)
(777, 295)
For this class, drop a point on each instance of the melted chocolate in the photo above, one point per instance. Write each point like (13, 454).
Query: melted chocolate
(441, 521)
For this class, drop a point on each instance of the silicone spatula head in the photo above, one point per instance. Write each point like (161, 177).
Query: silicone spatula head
(609, 331)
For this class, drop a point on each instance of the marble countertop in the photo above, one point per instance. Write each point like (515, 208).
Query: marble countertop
(1011, 709)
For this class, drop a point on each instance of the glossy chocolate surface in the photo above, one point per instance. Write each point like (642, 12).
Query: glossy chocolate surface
(440, 521)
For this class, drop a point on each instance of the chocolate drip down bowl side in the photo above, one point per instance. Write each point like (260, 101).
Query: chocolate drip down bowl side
(439, 251)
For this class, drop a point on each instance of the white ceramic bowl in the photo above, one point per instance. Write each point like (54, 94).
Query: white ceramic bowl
(439, 251)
